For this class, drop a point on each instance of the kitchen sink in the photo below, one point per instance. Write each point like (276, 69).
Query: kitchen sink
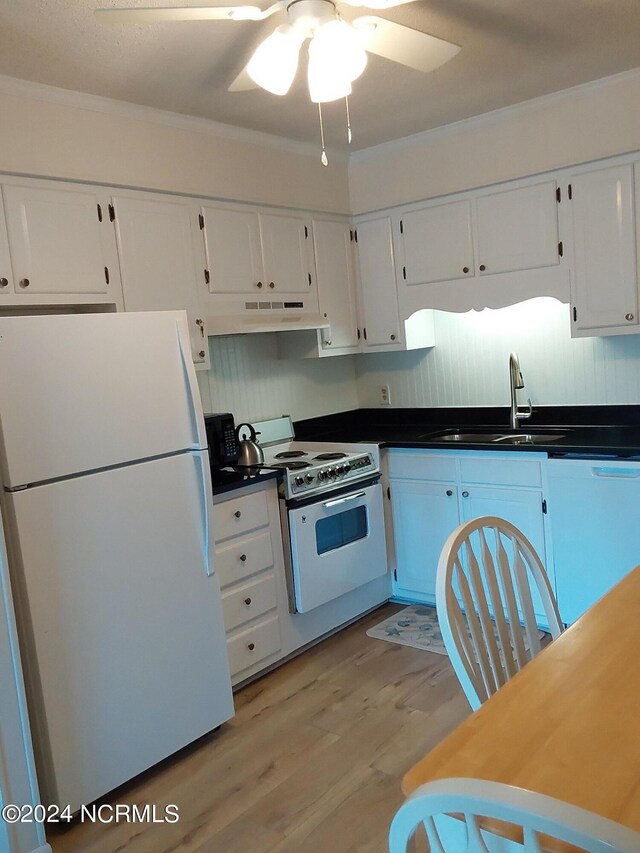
(494, 437)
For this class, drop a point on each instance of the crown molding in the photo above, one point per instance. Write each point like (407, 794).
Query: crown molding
(97, 103)
(425, 136)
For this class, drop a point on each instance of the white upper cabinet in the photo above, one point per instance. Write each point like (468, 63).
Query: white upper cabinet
(287, 252)
(605, 281)
(57, 239)
(517, 229)
(157, 244)
(437, 243)
(333, 245)
(233, 250)
(6, 275)
(380, 319)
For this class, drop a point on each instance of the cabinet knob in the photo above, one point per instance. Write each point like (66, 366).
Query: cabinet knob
(327, 343)
(449, 492)
(628, 316)
(237, 513)
(465, 270)
(259, 284)
(482, 268)
(465, 494)
(201, 353)
(247, 601)
(243, 558)
(4, 282)
(271, 285)
(24, 282)
(393, 337)
(251, 646)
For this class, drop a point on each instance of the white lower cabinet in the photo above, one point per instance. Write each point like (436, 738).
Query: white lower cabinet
(433, 492)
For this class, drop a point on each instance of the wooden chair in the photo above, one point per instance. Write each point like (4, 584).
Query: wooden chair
(528, 814)
(484, 602)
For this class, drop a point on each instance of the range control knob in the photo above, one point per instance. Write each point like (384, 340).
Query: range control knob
(299, 481)
(346, 467)
(322, 475)
(332, 472)
(308, 478)
(340, 469)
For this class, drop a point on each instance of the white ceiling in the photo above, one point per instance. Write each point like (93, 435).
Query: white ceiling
(512, 50)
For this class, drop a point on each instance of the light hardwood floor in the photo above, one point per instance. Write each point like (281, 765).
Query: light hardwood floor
(311, 762)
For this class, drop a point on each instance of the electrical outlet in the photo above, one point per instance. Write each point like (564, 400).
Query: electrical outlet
(384, 395)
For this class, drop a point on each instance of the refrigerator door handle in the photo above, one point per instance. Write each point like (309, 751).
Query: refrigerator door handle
(202, 462)
(193, 394)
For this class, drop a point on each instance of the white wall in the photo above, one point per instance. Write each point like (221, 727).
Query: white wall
(468, 366)
(49, 132)
(581, 124)
(248, 379)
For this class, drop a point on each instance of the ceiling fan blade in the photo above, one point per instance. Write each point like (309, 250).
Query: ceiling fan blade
(403, 45)
(243, 82)
(190, 13)
(376, 4)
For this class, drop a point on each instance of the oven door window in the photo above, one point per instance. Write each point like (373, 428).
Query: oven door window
(341, 529)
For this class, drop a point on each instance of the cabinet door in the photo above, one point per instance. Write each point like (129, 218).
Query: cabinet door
(56, 240)
(232, 246)
(286, 253)
(424, 514)
(593, 509)
(605, 286)
(6, 274)
(437, 243)
(378, 293)
(517, 229)
(333, 249)
(520, 507)
(156, 250)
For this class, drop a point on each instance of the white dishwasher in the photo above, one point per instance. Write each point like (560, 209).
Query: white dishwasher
(594, 509)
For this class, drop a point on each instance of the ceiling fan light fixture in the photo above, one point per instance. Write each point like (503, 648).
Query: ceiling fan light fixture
(275, 61)
(336, 59)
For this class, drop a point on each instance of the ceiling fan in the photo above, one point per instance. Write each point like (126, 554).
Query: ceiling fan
(337, 51)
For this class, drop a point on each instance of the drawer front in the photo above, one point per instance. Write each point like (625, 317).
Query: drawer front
(243, 557)
(421, 465)
(239, 515)
(501, 472)
(250, 601)
(253, 645)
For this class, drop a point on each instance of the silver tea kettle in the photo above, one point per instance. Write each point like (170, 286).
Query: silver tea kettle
(249, 452)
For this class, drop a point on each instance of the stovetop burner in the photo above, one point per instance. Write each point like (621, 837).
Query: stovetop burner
(327, 457)
(291, 454)
(291, 465)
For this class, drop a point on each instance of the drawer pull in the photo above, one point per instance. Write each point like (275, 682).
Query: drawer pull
(449, 492)
(247, 601)
(251, 646)
(237, 513)
(24, 282)
(4, 282)
(465, 494)
(243, 558)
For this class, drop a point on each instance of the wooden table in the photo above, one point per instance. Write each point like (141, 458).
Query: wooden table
(568, 724)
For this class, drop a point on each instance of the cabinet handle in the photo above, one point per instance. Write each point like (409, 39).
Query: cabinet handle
(24, 282)
(449, 492)
(271, 285)
(243, 558)
(465, 494)
(247, 601)
(237, 513)
(628, 316)
(4, 282)
(251, 646)
(259, 284)
(482, 268)
(465, 270)
(393, 337)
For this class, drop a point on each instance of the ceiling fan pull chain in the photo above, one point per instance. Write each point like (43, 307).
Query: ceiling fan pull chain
(324, 159)
(346, 101)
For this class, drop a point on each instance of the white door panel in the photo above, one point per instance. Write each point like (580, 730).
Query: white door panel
(378, 284)
(126, 622)
(232, 243)
(286, 253)
(437, 243)
(336, 287)
(130, 407)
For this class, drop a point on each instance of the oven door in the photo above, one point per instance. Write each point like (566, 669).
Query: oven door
(337, 545)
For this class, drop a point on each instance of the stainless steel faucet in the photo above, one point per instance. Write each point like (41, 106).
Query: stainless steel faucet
(516, 382)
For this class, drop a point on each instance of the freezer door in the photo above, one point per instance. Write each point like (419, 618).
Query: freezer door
(83, 392)
(121, 621)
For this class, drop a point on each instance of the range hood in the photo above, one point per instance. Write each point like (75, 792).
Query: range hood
(264, 321)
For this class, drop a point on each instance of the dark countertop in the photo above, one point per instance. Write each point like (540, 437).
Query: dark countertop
(585, 430)
(229, 479)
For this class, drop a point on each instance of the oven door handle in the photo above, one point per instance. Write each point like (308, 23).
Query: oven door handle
(338, 501)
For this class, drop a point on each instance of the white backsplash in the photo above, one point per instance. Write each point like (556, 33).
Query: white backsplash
(468, 366)
(248, 379)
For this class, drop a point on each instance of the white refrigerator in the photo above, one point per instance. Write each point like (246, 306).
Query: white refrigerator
(108, 510)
